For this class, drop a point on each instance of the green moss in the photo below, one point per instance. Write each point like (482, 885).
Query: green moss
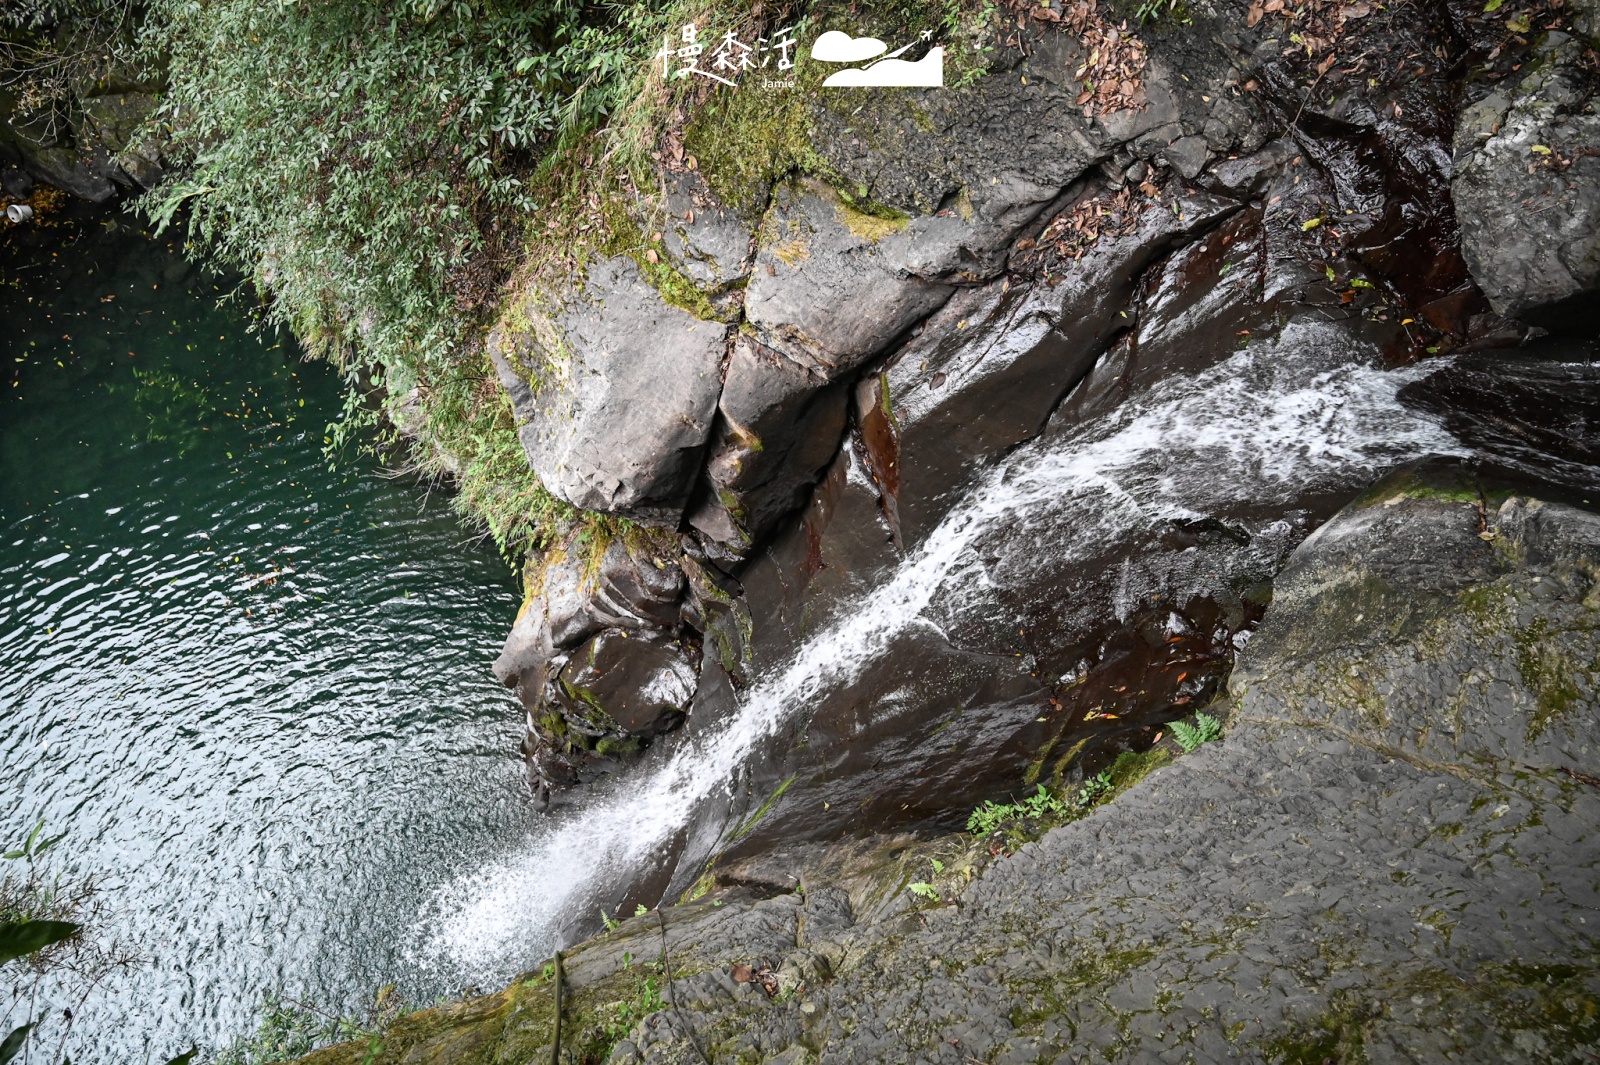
(766, 807)
(792, 252)
(1092, 969)
(1338, 1036)
(1485, 604)
(1548, 673)
(871, 225)
(624, 237)
(616, 746)
(1130, 768)
(748, 141)
(1439, 486)
(699, 889)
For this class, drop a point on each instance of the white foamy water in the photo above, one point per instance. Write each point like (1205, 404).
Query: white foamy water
(1261, 426)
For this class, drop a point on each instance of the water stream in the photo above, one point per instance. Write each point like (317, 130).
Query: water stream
(252, 690)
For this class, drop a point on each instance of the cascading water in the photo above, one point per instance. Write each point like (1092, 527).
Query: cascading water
(1262, 426)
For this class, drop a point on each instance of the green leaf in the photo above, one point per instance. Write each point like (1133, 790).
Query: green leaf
(1538, 149)
(1356, 282)
(18, 939)
(12, 1045)
(185, 1058)
(1310, 224)
(1492, 6)
(1519, 24)
(925, 891)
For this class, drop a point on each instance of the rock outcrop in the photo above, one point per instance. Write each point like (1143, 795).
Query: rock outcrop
(614, 389)
(105, 148)
(1391, 855)
(804, 376)
(1527, 189)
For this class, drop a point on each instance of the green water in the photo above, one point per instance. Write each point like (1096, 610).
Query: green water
(253, 691)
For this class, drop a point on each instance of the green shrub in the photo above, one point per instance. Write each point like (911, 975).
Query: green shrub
(468, 418)
(371, 168)
(366, 163)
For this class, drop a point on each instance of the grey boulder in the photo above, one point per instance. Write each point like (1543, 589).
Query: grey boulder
(614, 391)
(1527, 192)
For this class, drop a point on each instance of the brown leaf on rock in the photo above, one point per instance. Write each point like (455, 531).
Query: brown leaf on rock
(743, 974)
(1110, 61)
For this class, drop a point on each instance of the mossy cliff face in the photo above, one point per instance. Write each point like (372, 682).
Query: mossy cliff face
(1391, 855)
(793, 337)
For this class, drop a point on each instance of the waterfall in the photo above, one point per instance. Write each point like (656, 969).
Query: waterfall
(1262, 425)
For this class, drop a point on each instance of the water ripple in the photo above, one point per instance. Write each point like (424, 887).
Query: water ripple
(251, 689)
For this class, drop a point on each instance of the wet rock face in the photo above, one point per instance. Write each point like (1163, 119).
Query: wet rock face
(985, 373)
(781, 424)
(1094, 462)
(1535, 411)
(622, 683)
(1527, 189)
(1029, 447)
(598, 656)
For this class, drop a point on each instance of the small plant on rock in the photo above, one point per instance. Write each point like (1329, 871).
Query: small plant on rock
(993, 815)
(1093, 790)
(1191, 737)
